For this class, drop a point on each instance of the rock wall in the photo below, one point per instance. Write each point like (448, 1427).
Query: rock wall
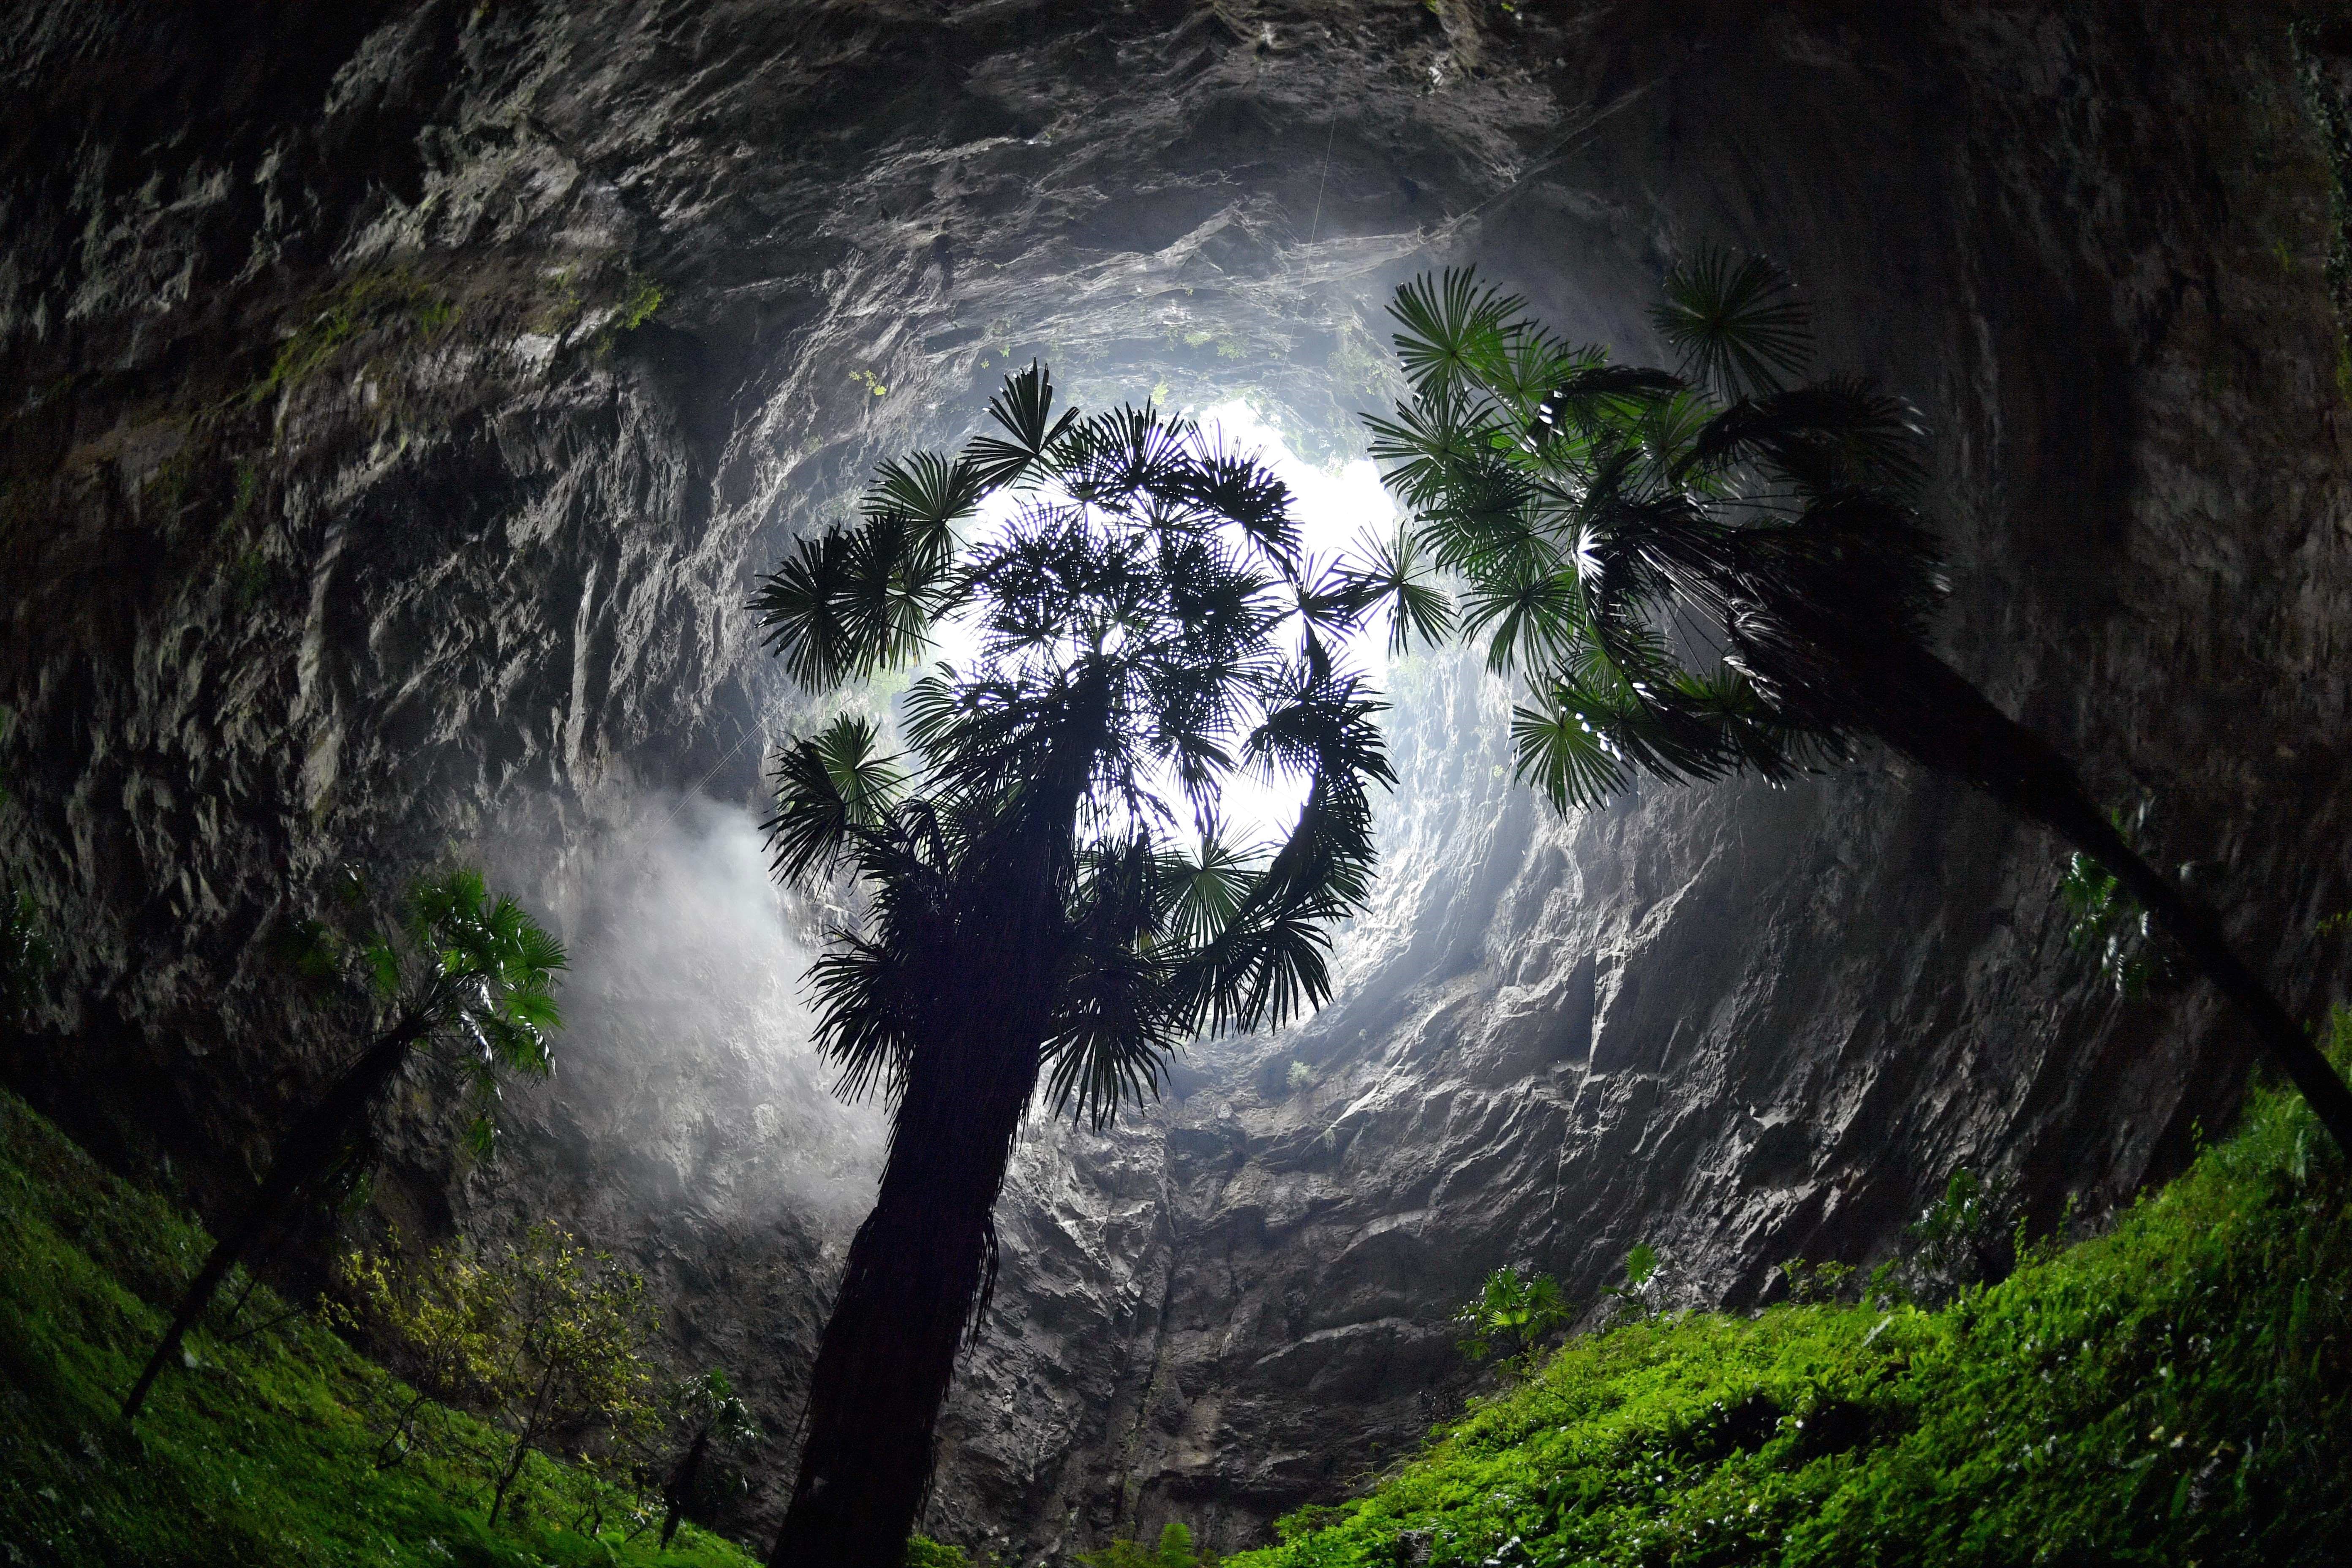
(404, 396)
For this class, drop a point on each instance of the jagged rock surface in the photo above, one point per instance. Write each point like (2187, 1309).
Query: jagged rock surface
(357, 509)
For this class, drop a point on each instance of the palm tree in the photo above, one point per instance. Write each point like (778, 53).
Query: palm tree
(1032, 906)
(719, 1418)
(1713, 571)
(468, 974)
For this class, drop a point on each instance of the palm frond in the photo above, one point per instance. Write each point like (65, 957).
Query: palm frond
(1557, 749)
(868, 1013)
(1388, 574)
(1024, 408)
(929, 495)
(1823, 437)
(1241, 490)
(800, 611)
(1525, 363)
(1433, 440)
(1735, 323)
(1447, 327)
(829, 788)
(1599, 396)
(1207, 887)
(1528, 613)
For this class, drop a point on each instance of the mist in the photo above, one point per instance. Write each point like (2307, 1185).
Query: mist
(687, 1078)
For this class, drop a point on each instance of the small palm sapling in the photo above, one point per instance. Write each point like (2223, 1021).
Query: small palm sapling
(1711, 570)
(718, 1419)
(463, 977)
(1032, 909)
(1513, 1313)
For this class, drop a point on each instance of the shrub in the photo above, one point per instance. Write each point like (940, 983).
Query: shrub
(545, 1337)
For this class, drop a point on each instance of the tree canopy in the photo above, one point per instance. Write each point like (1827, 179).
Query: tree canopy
(1146, 625)
(1674, 562)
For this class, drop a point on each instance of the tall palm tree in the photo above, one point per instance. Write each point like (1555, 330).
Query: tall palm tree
(1712, 571)
(1046, 892)
(465, 974)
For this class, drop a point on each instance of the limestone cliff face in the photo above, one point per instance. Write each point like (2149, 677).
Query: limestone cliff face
(402, 398)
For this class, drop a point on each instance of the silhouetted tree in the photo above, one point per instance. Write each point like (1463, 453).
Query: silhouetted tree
(464, 975)
(1032, 906)
(1712, 571)
(718, 1417)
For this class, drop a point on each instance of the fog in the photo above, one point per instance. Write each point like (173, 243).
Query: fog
(687, 1066)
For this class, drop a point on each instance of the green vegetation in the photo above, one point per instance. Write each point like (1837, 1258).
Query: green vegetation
(463, 981)
(2321, 52)
(391, 299)
(263, 1455)
(1711, 571)
(547, 1337)
(2107, 924)
(1173, 1550)
(1513, 1312)
(25, 955)
(2177, 1391)
(643, 297)
(719, 1420)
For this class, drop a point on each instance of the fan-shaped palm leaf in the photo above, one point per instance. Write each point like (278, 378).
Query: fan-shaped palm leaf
(1387, 574)
(1734, 323)
(1025, 410)
(1448, 327)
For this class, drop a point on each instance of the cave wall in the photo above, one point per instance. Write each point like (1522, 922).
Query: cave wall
(357, 510)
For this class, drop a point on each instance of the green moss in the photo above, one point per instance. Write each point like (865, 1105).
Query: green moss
(2178, 1389)
(389, 301)
(638, 305)
(260, 1454)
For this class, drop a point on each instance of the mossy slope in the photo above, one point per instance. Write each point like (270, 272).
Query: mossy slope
(2177, 1391)
(259, 1454)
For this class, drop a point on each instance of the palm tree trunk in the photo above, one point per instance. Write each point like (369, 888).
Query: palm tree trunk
(679, 1486)
(302, 1156)
(1931, 711)
(917, 1269)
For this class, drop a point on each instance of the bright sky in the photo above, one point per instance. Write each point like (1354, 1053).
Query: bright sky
(1333, 506)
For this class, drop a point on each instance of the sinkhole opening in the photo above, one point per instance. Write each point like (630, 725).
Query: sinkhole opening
(1337, 506)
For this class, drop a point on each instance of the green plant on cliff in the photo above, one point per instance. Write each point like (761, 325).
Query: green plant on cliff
(26, 956)
(1715, 570)
(268, 1459)
(462, 976)
(2177, 1391)
(1033, 911)
(638, 302)
(2323, 59)
(388, 300)
(2107, 924)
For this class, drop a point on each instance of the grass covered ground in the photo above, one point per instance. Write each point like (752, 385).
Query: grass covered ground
(262, 1453)
(2177, 1391)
